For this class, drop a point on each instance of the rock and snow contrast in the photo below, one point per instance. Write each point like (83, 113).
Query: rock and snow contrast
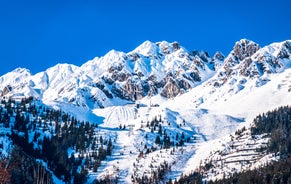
(159, 111)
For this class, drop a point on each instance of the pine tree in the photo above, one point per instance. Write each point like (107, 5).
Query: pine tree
(160, 131)
(109, 147)
(183, 136)
(158, 140)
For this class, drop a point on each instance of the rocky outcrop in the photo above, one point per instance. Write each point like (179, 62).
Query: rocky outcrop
(245, 48)
(240, 55)
(241, 50)
(129, 90)
(285, 52)
(6, 90)
(218, 56)
(171, 89)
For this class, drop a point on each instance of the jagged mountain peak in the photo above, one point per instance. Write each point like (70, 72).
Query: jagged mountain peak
(253, 71)
(62, 67)
(151, 49)
(168, 48)
(273, 58)
(21, 70)
(218, 56)
(241, 50)
(18, 71)
(147, 48)
(15, 76)
(61, 71)
(113, 54)
(245, 41)
(281, 49)
(97, 66)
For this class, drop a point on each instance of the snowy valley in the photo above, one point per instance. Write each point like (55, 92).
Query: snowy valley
(153, 115)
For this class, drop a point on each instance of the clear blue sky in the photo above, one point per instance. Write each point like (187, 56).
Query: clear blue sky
(37, 34)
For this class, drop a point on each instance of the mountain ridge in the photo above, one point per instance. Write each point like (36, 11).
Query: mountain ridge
(148, 68)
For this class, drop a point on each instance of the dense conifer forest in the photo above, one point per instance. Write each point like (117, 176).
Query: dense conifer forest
(41, 134)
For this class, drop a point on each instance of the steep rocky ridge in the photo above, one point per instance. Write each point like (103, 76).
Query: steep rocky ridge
(249, 63)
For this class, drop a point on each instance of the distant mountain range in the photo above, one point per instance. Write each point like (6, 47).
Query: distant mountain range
(161, 68)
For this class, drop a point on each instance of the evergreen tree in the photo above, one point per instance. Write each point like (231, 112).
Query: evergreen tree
(160, 130)
(167, 142)
(158, 140)
(109, 147)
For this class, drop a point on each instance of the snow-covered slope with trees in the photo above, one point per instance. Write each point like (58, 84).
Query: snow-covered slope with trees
(166, 110)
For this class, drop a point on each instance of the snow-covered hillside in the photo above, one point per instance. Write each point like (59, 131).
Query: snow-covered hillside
(166, 110)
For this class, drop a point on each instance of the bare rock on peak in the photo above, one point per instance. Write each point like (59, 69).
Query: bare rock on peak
(244, 48)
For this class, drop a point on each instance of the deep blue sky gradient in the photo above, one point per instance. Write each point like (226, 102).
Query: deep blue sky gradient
(37, 34)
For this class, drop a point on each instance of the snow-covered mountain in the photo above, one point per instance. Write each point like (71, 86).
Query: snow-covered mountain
(190, 99)
(150, 69)
(245, 71)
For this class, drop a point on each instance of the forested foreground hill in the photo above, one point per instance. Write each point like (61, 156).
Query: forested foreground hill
(276, 125)
(46, 145)
(41, 143)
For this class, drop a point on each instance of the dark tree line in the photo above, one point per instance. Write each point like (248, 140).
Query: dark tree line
(25, 169)
(21, 168)
(277, 123)
(276, 173)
